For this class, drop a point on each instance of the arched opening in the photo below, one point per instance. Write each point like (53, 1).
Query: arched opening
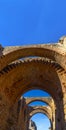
(39, 99)
(44, 77)
(34, 74)
(41, 120)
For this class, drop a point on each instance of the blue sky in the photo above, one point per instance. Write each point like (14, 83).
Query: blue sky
(31, 21)
(42, 122)
(24, 22)
(36, 93)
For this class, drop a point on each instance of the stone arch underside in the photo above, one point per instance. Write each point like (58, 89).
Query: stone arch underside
(39, 111)
(53, 52)
(48, 100)
(43, 110)
(36, 73)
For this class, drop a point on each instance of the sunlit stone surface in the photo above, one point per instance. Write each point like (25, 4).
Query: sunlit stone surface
(23, 68)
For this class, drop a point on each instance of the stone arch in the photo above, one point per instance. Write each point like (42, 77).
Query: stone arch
(54, 52)
(39, 111)
(44, 110)
(41, 66)
(32, 74)
(48, 100)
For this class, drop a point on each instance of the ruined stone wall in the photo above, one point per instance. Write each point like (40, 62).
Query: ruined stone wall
(16, 77)
(22, 123)
(15, 116)
(32, 125)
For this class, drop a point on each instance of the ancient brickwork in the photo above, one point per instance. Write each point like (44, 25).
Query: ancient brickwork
(24, 68)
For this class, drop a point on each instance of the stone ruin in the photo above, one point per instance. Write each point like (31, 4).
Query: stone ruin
(23, 68)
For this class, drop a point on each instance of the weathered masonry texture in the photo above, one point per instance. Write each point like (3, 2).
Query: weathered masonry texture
(24, 68)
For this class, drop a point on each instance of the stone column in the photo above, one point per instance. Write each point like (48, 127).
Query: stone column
(53, 119)
(4, 112)
(64, 104)
(59, 116)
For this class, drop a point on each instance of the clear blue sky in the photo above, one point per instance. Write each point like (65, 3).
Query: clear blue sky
(32, 21)
(42, 121)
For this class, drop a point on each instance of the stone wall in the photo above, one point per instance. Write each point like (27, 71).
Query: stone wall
(46, 71)
(32, 125)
